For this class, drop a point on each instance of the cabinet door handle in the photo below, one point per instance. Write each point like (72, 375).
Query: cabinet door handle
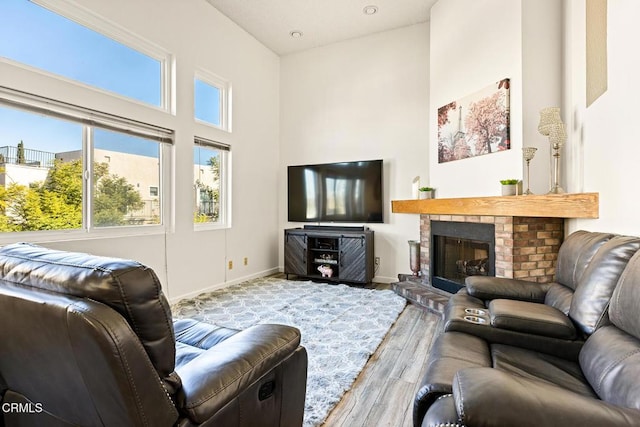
(341, 259)
(304, 256)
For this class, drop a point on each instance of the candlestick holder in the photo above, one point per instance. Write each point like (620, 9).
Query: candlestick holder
(557, 138)
(551, 126)
(528, 153)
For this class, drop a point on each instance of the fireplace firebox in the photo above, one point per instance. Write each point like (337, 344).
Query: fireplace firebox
(459, 250)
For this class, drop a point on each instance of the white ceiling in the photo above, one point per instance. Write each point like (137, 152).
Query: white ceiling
(321, 21)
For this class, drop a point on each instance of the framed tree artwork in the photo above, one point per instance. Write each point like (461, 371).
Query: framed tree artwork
(475, 125)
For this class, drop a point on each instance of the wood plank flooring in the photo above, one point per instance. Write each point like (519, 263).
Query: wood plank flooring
(382, 395)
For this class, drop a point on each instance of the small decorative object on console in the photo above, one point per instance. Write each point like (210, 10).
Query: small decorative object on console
(426, 192)
(509, 187)
(325, 270)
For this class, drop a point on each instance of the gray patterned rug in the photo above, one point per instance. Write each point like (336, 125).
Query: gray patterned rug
(341, 327)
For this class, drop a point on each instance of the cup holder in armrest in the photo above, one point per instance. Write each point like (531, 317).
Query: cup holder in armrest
(475, 311)
(475, 319)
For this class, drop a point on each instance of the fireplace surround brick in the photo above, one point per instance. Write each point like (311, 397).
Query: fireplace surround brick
(525, 247)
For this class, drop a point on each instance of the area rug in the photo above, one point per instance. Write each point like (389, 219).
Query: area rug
(341, 327)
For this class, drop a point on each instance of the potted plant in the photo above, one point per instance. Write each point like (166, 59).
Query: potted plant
(509, 187)
(426, 192)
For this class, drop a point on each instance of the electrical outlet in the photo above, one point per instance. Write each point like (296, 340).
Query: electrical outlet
(230, 265)
(246, 261)
(377, 260)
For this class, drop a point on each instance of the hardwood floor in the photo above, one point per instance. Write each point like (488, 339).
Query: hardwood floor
(382, 395)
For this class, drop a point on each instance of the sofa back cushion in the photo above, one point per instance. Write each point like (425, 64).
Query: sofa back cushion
(79, 359)
(610, 358)
(575, 254)
(624, 309)
(128, 287)
(559, 297)
(596, 285)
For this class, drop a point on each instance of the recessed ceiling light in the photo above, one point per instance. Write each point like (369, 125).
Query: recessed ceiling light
(296, 34)
(370, 10)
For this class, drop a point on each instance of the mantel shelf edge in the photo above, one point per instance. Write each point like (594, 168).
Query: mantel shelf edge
(568, 205)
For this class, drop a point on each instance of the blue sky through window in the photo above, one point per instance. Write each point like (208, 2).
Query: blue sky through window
(38, 132)
(207, 102)
(116, 141)
(202, 155)
(35, 36)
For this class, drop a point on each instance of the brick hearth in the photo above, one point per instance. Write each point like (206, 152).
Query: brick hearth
(525, 247)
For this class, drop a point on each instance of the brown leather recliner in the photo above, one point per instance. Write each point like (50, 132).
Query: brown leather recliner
(90, 341)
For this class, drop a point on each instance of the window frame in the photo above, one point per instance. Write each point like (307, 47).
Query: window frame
(224, 86)
(90, 119)
(95, 22)
(224, 221)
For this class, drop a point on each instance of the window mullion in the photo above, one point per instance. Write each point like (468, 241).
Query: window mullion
(87, 171)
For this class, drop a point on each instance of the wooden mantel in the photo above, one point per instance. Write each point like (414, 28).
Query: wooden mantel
(574, 205)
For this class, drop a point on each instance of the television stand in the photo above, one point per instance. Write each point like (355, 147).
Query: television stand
(343, 254)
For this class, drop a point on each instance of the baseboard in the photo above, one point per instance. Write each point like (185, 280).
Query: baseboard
(223, 285)
(382, 279)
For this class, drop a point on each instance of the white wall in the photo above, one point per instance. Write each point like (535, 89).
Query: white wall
(604, 148)
(541, 46)
(361, 99)
(370, 98)
(198, 36)
(475, 43)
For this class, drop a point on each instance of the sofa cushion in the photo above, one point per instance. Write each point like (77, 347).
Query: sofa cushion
(128, 287)
(575, 254)
(79, 359)
(610, 360)
(530, 318)
(559, 296)
(530, 364)
(489, 287)
(489, 397)
(194, 338)
(625, 301)
(593, 294)
(450, 352)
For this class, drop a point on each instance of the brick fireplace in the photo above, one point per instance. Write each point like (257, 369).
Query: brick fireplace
(528, 232)
(525, 247)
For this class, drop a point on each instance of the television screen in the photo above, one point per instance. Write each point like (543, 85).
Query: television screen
(336, 192)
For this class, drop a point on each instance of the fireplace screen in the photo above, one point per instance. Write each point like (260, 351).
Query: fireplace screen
(461, 258)
(460, 252)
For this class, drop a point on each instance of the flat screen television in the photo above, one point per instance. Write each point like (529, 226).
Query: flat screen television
(336, 192)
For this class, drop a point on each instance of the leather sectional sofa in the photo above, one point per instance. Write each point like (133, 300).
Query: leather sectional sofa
(519, 353)
(90, 341)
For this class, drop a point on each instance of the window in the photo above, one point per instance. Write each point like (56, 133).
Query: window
(40, 38)
(153, 191)
(134, 163)
(210, 179)
(66, 168)
(211, 100)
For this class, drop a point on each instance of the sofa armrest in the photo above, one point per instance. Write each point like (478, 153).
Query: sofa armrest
(487, 396)
(221, 373)
(531, 318)
(488, 288)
